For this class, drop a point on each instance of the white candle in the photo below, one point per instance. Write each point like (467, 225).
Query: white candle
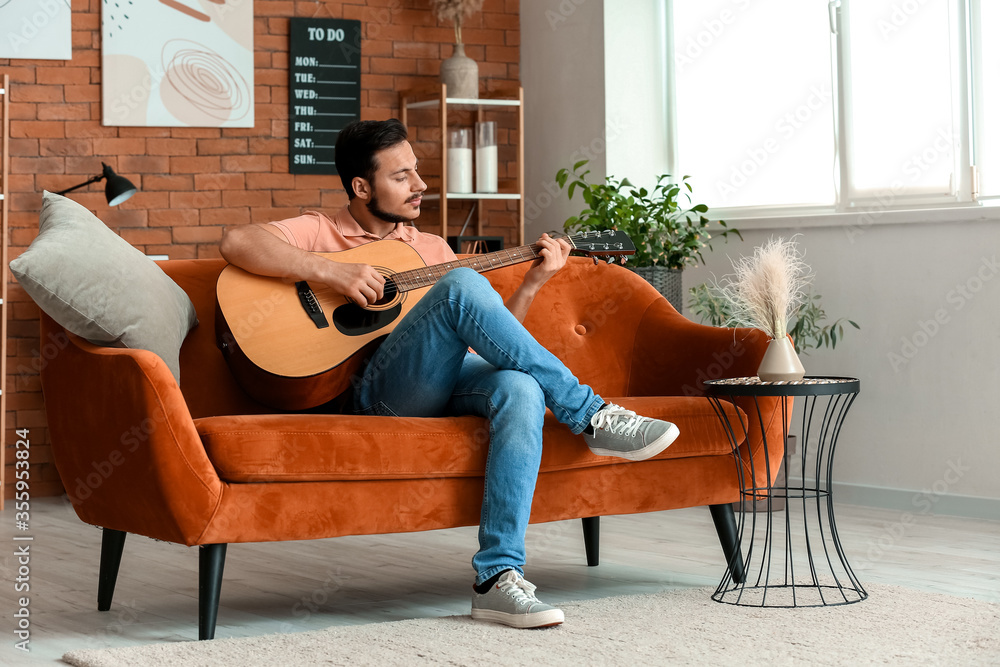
(486, 157)
(486, 169)
(460, 170)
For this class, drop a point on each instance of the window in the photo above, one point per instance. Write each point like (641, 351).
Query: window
(986, 94)
(809, 104)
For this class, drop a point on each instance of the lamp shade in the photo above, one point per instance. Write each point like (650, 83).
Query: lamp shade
(117, 188)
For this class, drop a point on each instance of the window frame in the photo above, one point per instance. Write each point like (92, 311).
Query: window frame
(861, 209)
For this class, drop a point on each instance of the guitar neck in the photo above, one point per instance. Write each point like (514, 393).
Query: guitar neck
(428, 275)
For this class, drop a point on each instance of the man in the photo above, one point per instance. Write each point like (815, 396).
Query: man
(424, 367)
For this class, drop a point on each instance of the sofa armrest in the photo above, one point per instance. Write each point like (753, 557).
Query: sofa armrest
(124, 442)
(673, 356)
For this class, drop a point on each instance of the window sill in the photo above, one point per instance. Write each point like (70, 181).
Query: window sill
(861, 218)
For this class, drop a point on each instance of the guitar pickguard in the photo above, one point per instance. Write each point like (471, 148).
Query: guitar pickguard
(353, 320)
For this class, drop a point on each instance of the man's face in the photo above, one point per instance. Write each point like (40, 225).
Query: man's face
(396, 187)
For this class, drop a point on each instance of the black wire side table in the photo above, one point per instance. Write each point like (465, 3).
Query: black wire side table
(798, 562)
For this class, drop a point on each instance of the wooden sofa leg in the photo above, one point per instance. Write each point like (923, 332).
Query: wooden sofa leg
(592, 539)
(112, 545)
(211, 559)
(725, 526)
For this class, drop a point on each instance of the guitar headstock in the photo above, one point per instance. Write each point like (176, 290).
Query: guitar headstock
(602, 243)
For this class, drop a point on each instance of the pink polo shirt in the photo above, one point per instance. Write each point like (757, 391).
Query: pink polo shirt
(316, 232)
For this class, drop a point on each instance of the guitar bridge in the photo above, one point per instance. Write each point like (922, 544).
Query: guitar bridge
(311, 304)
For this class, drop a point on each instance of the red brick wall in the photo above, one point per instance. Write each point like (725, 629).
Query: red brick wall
(194, 182)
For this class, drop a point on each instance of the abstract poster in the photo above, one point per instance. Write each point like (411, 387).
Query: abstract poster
(177, 63)
(36, 29)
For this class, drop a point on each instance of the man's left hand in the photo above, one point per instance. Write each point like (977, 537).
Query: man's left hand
(554, 253)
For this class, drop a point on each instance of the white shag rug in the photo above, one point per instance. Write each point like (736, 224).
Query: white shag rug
(896, 626)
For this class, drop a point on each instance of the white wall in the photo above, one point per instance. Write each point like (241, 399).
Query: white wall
(922, 435)
(595, 69)
(924, 421)
(562, 71)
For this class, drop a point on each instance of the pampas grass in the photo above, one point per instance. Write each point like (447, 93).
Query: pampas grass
(455, 11)
(767, 288)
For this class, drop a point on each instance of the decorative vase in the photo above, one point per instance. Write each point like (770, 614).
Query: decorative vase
(666, 281)
(461, 74)
(780, 362)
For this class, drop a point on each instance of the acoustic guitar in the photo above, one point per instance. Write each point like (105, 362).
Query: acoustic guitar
(295, 346)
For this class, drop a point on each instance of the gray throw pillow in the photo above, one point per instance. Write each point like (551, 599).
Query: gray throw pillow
(96, 285)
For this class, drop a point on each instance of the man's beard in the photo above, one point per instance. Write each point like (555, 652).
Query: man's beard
(376, 210)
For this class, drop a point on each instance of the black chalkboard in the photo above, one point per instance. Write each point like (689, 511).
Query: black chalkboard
(324, 90)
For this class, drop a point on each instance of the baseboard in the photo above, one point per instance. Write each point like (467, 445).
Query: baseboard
(916, 502)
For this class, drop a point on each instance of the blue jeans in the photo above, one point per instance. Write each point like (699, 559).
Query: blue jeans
(424, 369)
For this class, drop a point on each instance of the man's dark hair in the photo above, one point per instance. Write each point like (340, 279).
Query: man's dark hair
(356, 147)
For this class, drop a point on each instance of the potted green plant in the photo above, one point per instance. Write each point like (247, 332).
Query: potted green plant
(669, 231)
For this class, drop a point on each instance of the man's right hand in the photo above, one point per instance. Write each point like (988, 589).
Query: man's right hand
(262, 249)
(360, 283)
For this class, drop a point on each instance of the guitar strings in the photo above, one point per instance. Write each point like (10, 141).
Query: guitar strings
(405, 281)
(417, 278)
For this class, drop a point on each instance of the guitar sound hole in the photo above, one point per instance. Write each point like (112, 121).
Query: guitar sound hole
(353, 320)
(389, 293)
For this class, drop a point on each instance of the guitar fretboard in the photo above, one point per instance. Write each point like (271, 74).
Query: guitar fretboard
(428, 275)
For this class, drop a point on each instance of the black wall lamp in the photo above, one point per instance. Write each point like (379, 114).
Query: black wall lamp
(117, 189)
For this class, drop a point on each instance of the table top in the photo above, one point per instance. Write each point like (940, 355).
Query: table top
(807, 386)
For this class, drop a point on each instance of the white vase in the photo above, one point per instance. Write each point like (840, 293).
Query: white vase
(461, 74)
(780, 362)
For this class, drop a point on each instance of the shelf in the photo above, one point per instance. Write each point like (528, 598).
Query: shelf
(463, 102)
(500, 101)
(475, 195)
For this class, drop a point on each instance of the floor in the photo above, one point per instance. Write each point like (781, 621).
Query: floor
(298, 586)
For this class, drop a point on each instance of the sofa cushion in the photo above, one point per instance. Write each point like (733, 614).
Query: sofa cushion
(288, 448)
(96, 285)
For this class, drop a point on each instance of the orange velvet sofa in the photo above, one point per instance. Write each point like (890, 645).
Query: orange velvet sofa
(204, 464)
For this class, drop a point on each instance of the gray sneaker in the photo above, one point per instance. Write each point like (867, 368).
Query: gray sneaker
(512, 602)
(620, 432)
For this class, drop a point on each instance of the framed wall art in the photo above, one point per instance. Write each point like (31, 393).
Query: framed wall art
(36, 29)
(177, 63)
